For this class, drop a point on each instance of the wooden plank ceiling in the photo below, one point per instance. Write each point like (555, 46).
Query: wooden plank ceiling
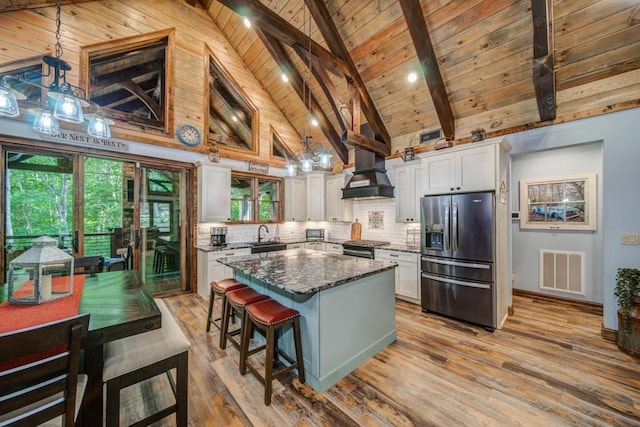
(504, 65)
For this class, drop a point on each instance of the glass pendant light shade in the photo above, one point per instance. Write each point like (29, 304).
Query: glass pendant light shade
(45, 122)
(291, 169)
(306, 164)
(68, 108)
(8, 102)
(99, 127)
(325, 159)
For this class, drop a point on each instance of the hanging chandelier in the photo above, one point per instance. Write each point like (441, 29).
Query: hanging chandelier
(63, 101)
(319, 157)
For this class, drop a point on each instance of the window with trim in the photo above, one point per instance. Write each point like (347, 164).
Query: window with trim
(232, 118)
(256, 199)
(279, 149)
(128, 80)
(32, 73)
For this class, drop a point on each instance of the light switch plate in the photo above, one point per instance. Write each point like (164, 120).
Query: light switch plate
(629, 239)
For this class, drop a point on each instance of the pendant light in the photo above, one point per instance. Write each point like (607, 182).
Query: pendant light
(63, 101)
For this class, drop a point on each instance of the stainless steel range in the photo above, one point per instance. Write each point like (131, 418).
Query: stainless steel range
(362, 248)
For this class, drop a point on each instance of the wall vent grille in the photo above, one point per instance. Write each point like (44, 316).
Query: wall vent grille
(429, 136)
(562, 271)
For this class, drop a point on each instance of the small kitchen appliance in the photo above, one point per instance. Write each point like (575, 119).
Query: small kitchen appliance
(314, 233)
(218, 236)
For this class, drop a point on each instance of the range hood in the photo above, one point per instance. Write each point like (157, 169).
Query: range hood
(370, 178)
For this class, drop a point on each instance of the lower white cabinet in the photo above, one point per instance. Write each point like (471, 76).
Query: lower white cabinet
(209, 269)
(295, 245)
(334, 248)
(407, 283)
(316, 246)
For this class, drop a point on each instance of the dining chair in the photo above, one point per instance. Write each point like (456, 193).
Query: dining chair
(133, 359)
(39, 380)
(88, 264)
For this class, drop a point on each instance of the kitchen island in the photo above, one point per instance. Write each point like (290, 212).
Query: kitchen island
(346, 305)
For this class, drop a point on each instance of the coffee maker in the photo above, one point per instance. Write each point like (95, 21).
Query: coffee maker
(218, 236)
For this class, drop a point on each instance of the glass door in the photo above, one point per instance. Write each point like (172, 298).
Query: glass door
(39, 200)
(162, 247)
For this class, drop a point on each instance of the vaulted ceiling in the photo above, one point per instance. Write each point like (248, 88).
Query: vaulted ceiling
(504, 65)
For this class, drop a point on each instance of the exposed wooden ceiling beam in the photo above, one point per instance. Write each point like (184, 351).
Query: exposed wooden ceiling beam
(429, 64)
(136, 90)
(264, 18)
(544, 80)
(191, 2)
(278, 53)
(331, 35)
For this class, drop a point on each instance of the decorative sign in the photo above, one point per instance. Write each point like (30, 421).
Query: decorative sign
(78, 138)
(258, 167)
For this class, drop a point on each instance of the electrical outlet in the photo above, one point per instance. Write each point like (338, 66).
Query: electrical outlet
(513, 275)
(629, 239)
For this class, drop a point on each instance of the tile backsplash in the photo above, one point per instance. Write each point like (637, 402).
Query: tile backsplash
(388, 229)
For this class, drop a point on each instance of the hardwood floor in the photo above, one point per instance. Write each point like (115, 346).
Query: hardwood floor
(548, 366)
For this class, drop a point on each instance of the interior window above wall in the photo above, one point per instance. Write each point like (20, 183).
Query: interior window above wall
(32, 73)
(279, 149)
(232, 117)
(255, 198)
(128, 80)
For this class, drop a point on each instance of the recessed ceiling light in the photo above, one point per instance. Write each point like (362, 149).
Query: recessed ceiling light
(285, 78)
(412, 77)
(314, 121)
(247, 23)
(234, 118)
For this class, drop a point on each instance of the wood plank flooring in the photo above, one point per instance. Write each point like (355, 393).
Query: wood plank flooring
(548, 366)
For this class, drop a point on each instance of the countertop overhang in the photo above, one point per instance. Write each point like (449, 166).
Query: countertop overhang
(303, 271)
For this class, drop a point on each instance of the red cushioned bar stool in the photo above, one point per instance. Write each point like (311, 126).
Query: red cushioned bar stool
(220, 288)
(237, 301)
(269, 316)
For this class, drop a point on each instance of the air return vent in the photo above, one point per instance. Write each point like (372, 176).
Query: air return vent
(430, 136)
(562, 271)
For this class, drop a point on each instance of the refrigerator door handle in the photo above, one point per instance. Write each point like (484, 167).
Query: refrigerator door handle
(446, 226)
(454, 227)
(456, 282)
(457, 263)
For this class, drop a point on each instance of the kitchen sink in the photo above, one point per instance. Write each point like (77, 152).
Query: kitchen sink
(258, 247)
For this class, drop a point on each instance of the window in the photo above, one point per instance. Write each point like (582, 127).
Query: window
(279, 150)
(255, 198)
(232, 117)
(128, 79)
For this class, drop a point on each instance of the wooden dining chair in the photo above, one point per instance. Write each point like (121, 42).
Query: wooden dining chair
(39, 380)
(88, 265)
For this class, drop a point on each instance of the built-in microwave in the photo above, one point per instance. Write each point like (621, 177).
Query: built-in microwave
(315, 233)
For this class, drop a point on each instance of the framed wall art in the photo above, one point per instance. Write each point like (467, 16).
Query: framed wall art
(559, 203)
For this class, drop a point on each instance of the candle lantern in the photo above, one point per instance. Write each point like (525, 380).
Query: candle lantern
(40, 274)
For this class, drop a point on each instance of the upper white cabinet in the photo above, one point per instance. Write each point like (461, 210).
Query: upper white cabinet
(469, 167)
(295, 199)
(408, 191)
(337, 209)
(214, 193)
(315, 197)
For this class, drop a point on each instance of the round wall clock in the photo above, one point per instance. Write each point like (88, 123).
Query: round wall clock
(188, 135)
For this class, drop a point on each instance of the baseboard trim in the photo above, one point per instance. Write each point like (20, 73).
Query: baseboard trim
(609, 334)
(587, 306)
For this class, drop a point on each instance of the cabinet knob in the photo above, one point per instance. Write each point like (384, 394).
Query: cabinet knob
(452, 188)
(457, 188)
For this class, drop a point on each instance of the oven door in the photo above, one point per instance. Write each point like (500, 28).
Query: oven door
(359, 251)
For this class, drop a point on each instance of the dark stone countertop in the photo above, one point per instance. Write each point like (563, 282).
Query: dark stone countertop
(303, 271)
(242, 245)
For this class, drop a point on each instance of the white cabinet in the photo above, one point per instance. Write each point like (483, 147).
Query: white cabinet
(315, 197)
(334, 248)
(209, 269)
(214, 193)
(337, 209)
(295, 245)
(295, 199)
(408, 191)
(407, 283)
(469, 167)
(316, 246)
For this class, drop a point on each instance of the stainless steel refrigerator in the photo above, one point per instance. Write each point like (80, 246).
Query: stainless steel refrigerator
(458, 252)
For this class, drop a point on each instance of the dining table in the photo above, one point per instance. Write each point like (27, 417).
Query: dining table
(120, 305)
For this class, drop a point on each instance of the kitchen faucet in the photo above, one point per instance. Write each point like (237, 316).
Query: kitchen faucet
(259, 230)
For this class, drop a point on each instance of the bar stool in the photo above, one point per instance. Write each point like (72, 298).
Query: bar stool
(269, 316)
(220, 288)
(237, 300)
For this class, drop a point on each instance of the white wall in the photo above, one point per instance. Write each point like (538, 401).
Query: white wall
(620, 136)
(526, 243)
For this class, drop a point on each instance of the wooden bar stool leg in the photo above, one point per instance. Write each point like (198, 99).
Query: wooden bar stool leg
(268, 364)
(227, 311)
(210, 311)
(246, 337)
(298, 343)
